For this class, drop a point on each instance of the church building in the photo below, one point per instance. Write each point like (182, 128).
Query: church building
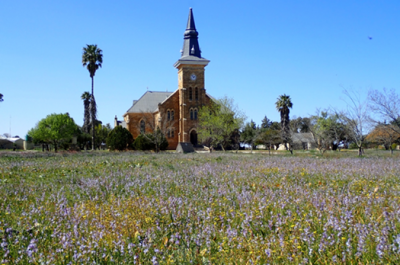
(175, 113)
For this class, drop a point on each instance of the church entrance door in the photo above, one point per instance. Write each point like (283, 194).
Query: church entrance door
(193, 137)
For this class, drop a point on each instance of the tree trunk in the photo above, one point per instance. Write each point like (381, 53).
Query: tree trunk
(359, 151)
(391, 150)
(93, 147)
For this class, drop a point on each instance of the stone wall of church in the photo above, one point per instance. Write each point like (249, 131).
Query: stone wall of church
(191, 103)
(194, 105)
(172, 104)
(185, 72)
(134, 123)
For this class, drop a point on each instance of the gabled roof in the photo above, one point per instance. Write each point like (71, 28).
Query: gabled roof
(14, 139)
(11, 139)
(148, 102)
(169, 96)
(211, 97)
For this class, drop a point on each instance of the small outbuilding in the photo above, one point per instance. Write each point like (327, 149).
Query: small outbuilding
(304, 141)
(10, 143)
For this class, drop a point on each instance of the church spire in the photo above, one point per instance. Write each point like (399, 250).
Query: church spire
(191, 44)
(191, 53)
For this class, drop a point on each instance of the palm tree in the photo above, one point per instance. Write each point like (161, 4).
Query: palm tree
(283, 104)
(92, 58)
(86, 114)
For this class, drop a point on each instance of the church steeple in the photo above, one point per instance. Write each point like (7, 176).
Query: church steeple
(191, 44)
(191, 52)
(191, 76)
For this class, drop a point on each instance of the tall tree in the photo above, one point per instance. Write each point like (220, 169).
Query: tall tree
(266, 123)
(86, 111)
(119, 139)
(54, 129)
(102, 132)
(328, 130)
(249, 134)
(283, 104)
(356, 118)
(385, 135)
(300, 125)
(386, 106)
(218, 121)
(275, 126)
(268, 137)
(92, 58)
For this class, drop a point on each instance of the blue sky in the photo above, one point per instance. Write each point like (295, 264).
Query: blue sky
(310, 50)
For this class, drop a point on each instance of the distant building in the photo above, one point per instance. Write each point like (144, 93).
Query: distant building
(175, 113)
(119, 123)
(303, 141)
(9, 143)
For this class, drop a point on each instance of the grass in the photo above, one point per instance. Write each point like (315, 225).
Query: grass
(219, 208)
(344, 153)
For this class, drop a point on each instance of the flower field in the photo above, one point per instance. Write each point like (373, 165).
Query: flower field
(198, 209)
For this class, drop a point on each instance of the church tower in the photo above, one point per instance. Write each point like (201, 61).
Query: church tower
(192, 94)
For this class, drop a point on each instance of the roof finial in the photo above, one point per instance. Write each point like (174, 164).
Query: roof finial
(190, 24)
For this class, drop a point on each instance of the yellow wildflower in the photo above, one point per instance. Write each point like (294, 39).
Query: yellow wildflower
(203, 252)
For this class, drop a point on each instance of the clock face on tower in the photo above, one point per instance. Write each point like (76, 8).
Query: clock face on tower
(193, 77)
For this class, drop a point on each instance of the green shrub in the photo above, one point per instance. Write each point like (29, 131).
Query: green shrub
(119, 139)
(146, 142)
(163, 140)
(164, 144)
(394, 146)
(353, 146)
(142, 142)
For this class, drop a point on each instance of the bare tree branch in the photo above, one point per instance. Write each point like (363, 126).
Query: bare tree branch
(387, 106)
(356, 118)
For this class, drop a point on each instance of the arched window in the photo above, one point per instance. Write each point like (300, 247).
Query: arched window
(195, 114)
(191, 114)
(196, 93)
(170, 133)
(168, 115)
(190, 93)
(172, 115)
(142, 126)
